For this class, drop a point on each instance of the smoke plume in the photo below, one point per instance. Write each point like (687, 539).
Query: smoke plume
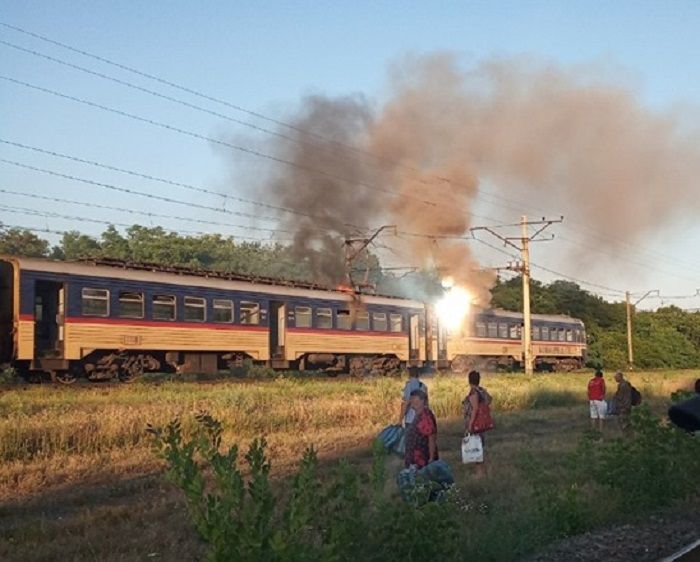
(558, 139)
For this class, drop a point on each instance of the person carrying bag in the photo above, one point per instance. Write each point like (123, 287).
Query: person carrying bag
(477, 417)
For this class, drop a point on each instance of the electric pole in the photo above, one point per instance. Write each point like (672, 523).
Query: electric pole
(630, 312)
(523, 267)
(527, 337)
(354, 247)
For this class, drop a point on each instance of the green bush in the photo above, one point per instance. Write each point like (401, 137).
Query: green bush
(653, 467)
(344, 517)
(8, 375)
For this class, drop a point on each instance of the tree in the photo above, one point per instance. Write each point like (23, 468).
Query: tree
(75, 246)
(22, 242)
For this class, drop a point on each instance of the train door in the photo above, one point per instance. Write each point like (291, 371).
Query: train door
(278, 313)
(413, 336)
(49, 313)
(440, 334)
(7, 341)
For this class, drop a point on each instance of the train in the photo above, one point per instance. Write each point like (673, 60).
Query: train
(112, 320)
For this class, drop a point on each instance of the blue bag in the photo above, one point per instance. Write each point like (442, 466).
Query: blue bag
(437, 471)
(430, 483)
(390, 436)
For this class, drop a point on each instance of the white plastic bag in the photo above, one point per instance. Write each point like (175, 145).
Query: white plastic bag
(472, 449)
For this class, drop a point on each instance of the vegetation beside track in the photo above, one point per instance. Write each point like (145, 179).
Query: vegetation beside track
(78, 460)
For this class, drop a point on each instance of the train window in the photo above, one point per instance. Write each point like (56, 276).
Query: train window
(344, 320)
(492, 329)
(545, 333)
(396, 322)
(195, 309)
(379, 321)
(535, 332)
(362, 321)
(503, 330)
(481, 329)
(250, 313)
(569, 335)
(324, 318)
(95, 302)
(163, 307)
(130, 304)
(562, 334)
(223, 311)
(302, 314)
(513, 332)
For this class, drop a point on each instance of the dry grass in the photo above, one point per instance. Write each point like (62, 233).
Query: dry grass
(77, 472)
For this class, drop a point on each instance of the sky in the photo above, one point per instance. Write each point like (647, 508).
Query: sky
(263, 57)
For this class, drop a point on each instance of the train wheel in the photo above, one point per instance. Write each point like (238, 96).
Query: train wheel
(64, 377)
(131, 372)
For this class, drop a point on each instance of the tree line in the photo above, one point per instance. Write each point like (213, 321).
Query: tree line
(666, 338)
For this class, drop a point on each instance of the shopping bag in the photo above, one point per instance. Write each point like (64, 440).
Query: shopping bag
(472, 449)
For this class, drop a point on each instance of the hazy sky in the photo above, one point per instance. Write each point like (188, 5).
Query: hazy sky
(263, 57)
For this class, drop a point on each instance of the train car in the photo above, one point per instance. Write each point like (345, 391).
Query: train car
(107, 320)
(492, 339)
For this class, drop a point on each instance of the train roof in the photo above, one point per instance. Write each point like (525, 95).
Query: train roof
(178, 275)
(561, 318)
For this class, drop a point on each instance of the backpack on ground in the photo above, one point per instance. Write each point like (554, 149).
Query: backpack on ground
(636, 396)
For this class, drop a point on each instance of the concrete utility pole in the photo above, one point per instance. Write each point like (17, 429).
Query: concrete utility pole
(527, 325)
(630, 312)
(524, 269)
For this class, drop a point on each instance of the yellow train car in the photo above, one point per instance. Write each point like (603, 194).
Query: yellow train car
(492, 339)
(108, 320)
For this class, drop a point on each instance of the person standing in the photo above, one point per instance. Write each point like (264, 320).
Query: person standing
(421, 442)
(596, 400)
(407, 413)
(623, 401)
(470, 406)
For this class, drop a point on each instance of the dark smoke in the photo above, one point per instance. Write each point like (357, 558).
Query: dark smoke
(558, 139)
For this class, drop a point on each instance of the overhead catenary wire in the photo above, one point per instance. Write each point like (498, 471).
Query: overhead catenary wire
(141, 213)
(202, 95)
(50, 214)
(548, 270)
(225, 196)
(115, 187)
(213, 140)
(199, 189)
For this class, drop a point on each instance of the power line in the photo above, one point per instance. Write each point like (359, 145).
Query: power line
(563, 275)
(135, 212)
(213, 140)
(178, 86)
(202, 95)
(166, 181)
(48, 214)
(217, 194)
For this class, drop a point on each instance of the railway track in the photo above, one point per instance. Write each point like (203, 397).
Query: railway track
(689, 553)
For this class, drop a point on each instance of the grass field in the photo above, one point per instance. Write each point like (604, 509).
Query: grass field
(79, 481)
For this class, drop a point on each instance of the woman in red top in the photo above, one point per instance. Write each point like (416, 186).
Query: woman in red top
(596, 400)
(421, 443)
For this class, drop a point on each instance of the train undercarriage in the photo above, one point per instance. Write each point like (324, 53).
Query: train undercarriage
(493, 363)
(127, 365)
